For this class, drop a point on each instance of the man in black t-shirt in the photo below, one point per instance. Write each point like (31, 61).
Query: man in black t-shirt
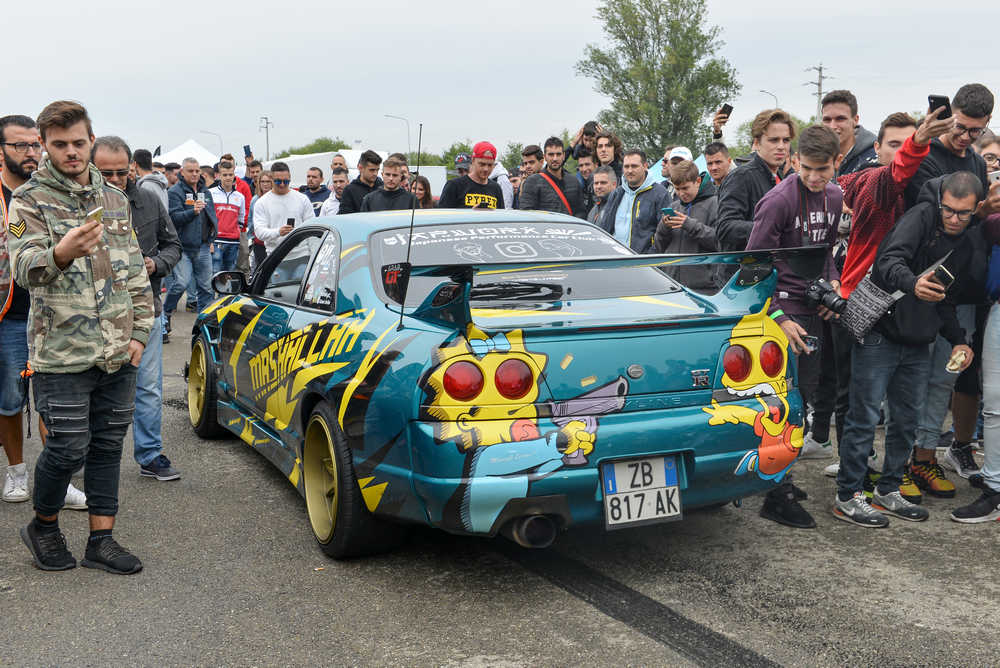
(474, 190)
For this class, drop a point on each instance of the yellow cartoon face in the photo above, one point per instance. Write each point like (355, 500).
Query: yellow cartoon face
(483, 390)
(755, 363)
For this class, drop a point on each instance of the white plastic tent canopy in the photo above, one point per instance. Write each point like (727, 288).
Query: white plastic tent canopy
(189, 149)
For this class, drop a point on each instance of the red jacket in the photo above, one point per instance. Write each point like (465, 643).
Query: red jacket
(244, 190)
(876, 197)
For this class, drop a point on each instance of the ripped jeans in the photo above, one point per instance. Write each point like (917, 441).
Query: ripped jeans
(86, 415)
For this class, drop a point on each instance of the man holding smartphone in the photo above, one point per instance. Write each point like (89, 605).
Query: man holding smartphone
(277, 212)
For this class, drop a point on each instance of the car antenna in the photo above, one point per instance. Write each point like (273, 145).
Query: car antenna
(404, 275)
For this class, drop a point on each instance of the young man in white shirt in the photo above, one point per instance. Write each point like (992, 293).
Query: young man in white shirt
(276, 213)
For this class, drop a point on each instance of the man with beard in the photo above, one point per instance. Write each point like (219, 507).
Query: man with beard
(338, 181)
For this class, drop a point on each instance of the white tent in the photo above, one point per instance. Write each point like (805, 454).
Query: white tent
(189, 149)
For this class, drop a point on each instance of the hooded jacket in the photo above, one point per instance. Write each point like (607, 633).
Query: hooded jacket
(915, 243)
(940, 162)
(501, 177)
(156, 235)
(389, 200)
(696, 235)
(861, 155)
(350, 201)
(156, 183)
(538, 194)
(738, 196)
(192, 229)
(639, 216)
(83, 315)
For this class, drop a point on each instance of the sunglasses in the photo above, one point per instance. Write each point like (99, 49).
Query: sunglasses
(281, 182)
(108, 173)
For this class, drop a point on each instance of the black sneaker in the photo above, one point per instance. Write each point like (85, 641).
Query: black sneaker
(48, 548)
(781, 506)
(984, 509)
(166, 337)
(958, 457)
(108, 555)
(160, 469)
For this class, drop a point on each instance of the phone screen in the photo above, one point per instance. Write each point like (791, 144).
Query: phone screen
(290, 222)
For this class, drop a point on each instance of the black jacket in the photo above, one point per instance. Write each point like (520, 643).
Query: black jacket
(156, 235)
(697, 235)
(388, 200)
(350, 201)
(941, 162)
(862, 154)
(738, 196)
(915, 243)
(537, 194)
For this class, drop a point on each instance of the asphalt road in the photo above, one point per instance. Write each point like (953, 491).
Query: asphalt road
(233, 577)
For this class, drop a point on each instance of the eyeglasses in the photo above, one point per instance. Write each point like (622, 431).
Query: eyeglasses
(963, 216)
(974, 133)
(991, 158)
(108, 173)
(281, 182)
(23, 146)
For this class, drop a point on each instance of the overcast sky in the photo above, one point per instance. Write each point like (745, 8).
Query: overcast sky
(158, 73)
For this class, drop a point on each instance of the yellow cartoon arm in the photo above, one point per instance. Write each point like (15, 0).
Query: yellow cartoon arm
(731, 413)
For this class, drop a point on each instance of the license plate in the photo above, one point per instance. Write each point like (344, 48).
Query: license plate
(640, 491)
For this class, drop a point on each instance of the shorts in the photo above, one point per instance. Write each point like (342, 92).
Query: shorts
(13, 360)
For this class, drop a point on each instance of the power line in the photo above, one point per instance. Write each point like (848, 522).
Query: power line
(266, 125)
(820, 77)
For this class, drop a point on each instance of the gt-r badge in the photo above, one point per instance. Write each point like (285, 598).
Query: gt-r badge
(700, 377)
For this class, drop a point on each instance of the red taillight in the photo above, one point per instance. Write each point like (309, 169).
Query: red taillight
(772, 359)
(463, 381)
(737, 363)
(513, 379)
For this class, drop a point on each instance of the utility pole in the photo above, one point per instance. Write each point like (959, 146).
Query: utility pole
(266, 125)
(820, 77)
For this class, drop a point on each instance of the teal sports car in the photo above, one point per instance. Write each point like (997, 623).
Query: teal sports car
(489, 372)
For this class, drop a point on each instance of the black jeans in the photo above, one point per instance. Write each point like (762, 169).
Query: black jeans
(810, 365)
(833, 393)
(86, 415)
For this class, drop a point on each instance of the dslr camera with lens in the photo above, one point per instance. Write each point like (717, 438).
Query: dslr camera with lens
(821, 293)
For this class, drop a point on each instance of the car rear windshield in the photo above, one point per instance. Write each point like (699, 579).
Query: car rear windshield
(463, 243)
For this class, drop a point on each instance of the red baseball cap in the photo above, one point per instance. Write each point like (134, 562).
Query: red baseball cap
(484, 149)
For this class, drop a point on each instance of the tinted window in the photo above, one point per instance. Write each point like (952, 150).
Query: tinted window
(541, 242)
(286, 275)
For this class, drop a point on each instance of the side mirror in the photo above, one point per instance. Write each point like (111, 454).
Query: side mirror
(230, 282)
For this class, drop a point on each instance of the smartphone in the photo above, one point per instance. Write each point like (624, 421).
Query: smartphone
(935, 101)
(995, 176)
(290, 222)
(811, 343)
(943, 276)
(96, 215)
(727, 109)
(246, 151)
(668, 212)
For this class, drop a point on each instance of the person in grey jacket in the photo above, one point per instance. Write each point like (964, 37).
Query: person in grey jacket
(148, 179)
(633, 209)
(692, 227)
(538, 191)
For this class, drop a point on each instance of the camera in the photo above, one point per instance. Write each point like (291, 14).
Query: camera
(821, 293)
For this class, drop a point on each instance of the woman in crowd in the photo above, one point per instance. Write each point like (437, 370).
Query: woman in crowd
(264, 184)
(421, 187)
(988, 146)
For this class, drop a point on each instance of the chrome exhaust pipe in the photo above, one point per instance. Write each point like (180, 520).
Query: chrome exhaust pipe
(532, 531)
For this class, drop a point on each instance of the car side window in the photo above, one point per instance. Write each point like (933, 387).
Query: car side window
(282, 285)
(320, 290)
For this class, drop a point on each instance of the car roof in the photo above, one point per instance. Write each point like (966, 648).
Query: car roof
(357, 227)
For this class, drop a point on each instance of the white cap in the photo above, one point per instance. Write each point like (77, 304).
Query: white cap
(680, 152)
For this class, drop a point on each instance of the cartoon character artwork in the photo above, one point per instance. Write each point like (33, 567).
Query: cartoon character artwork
(482, 395)
(756, 366)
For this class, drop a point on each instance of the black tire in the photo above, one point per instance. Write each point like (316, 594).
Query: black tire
(338, 517)
(202, 397)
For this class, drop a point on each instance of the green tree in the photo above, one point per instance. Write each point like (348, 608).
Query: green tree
(321, 145)
(744, 145)
(426, 159)
(448, 155)
(511, 157)
(660, 70)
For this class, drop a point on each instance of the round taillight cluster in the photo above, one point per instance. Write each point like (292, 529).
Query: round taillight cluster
(463, 381)
(772, 359)
(513, 379)
(737, 363)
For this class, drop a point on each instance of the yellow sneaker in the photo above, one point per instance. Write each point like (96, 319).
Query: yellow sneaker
(909, 490)
(930, 478)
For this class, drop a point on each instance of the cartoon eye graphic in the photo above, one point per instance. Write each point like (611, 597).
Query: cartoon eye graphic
(463, 381)
(737, 363)
(772, 358)
(513, 379)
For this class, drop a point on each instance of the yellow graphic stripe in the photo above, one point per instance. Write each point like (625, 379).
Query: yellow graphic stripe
(214, 305)
(658, 302)
(240, 342)
(533, 268)
(372, 494)
(293, 477)
(371, 357)
(232, 307)
(344, 253)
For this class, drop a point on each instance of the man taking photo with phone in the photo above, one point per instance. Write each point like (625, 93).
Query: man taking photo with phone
(277, 212)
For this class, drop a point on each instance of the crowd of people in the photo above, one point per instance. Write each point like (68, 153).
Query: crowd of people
(100, 243)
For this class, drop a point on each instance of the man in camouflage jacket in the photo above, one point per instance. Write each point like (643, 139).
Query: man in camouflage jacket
(91, 314)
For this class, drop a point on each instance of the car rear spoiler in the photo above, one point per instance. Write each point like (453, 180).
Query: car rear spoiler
(449, 304)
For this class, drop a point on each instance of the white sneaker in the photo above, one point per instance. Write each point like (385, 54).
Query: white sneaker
(813, 449)
(15, 484)
(832, 470)
(75, 499)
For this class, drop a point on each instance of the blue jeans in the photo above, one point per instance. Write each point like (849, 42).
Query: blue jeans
(941, 383)
(13, 360)
(880, 369)
(146, 436)
(225, 256)
(991, 400)
(199, 264)
(87, 415)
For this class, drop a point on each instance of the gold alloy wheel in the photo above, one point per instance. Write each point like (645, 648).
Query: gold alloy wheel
(319, 466)
(197, 387)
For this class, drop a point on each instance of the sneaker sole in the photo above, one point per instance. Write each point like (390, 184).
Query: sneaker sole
(825, 453)
(882, 509)
(145, 473)
(992, 517)
(14, 499)
(75, 506)
(847, 518)
(100, 565)
(926, 489)
(784, 522)
(38, 562)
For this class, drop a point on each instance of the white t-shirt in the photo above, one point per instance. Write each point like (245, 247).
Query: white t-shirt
(273, 210)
